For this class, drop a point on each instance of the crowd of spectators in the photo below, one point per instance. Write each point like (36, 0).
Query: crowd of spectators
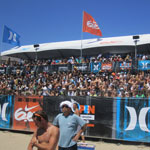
(70, 60)
(76, 83)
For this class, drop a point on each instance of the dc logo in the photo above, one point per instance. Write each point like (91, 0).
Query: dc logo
(141, 118)
(12, 36)
(144, 65)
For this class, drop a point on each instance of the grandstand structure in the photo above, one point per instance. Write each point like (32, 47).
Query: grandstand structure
(89, 47)
(113, 92)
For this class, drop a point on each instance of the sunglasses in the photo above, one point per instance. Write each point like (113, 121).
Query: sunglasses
(65, 106)
(37, 116)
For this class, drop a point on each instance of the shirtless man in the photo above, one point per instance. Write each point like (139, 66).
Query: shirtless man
(46, 136)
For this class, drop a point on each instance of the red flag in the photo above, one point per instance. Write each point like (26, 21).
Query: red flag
(90, 25)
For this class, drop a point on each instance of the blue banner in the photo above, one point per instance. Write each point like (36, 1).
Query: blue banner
(11, 37)
(6, 111)
(144, 65)
(125, 65)
(133, 119)
(95, 67)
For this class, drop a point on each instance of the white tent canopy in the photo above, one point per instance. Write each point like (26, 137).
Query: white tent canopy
(122, 44)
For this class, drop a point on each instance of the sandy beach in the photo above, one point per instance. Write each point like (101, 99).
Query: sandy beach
(19, 141)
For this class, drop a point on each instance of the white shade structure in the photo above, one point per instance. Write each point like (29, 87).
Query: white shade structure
(122, 44)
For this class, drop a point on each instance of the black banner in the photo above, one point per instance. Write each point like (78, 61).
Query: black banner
(97, 112)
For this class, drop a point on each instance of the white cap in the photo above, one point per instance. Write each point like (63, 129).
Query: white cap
(44, 88)
(68, 103)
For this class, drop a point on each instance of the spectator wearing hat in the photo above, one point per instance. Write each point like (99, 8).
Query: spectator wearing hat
(68, 122)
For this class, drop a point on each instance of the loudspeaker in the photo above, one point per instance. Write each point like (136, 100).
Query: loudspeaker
(36, 45)
(136, 37)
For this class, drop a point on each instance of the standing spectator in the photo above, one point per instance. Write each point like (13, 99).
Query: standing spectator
(68, 122)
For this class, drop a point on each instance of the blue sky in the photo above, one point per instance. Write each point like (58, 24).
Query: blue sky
(44, 21)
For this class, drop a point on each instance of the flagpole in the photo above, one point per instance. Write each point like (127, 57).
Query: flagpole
(1, 47)
(81, 38)
(81, 41)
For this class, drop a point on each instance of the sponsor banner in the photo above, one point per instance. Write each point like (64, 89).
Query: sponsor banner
(82, 67)
(24, 107)
(6, 111)
(63, 68)
(103, 123)
(106, 67)
(52, 68)
(93, 111)
(2, 70)
(144, 65)
(87, 117)
(133, 120)
(51, 106)
(45, 69)
(95, 67)
(120, 119)
(125, 65)
(87, 111)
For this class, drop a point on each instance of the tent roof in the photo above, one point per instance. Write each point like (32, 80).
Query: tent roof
(122, 44)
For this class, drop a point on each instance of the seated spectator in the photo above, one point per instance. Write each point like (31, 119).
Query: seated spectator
(75, 82)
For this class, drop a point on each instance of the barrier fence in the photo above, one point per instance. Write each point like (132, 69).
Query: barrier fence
(114, 118)
(85, 67)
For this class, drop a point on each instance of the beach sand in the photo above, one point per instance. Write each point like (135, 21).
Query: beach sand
(19, 141)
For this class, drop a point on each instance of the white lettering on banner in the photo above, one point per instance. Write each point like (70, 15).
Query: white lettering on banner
(46, 68)
(12, 36)
(3, 111)
(144, 65)
(106, 67)
(92, 25)
(2, 70)
(63, 68)
(88, 117)
(25, 115)
(142, 118)
(82, 67)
